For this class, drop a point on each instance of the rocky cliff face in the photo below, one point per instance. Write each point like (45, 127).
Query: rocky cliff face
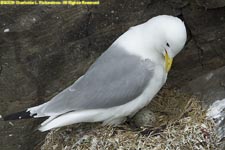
(44, 49)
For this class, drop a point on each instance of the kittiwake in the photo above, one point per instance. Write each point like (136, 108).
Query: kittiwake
(121, 81)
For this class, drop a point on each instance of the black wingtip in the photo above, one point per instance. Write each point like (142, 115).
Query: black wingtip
(19, 115)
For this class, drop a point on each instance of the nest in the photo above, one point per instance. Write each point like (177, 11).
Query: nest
(181, 124)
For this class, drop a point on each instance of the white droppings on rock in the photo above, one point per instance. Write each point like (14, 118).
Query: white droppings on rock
(11, 123)
(209, 76)
(216, 112)
(10, 135)
(6, 30)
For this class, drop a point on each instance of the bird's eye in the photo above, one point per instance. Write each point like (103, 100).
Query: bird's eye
(168, 44)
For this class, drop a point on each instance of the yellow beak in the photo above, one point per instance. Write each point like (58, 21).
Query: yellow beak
(168, 61)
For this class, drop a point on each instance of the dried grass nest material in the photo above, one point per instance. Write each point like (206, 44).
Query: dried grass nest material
(181, 125)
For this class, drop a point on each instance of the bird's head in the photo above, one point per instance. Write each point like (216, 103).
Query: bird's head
(172, 37)
(161, 37)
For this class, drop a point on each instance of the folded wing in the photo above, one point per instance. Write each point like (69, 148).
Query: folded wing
(116, 78)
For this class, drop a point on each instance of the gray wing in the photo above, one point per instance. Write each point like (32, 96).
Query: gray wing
(114, 79)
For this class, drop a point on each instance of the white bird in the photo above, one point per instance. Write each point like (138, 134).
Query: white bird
(122, 80)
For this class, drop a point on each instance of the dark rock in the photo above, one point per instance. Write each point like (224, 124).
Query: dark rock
(209, 4)
(209, 87)
(205, 50)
